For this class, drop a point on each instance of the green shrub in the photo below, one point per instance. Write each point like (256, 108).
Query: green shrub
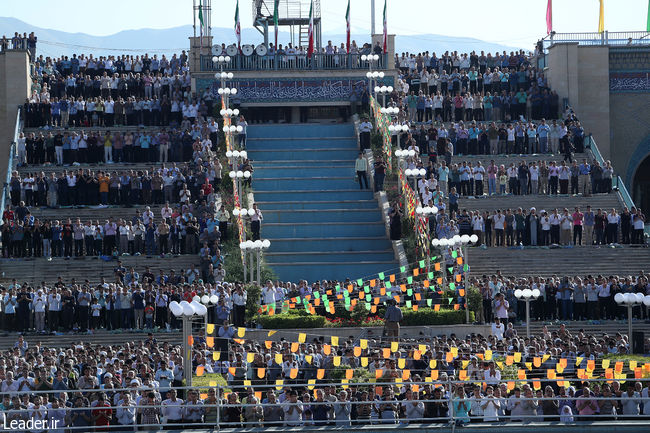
(427, 317)
(360, 375)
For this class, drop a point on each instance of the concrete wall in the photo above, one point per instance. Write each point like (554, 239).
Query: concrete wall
(15, 87)
(581, 74)
(629, 128)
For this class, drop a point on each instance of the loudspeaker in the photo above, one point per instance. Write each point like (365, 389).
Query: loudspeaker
(638, 342)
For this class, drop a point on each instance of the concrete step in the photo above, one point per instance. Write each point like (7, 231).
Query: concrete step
(280, 245)
(542, 261)
(321, 215)
(296, 155)
(312, 271)
(311, 196)
(100, 337)
(305, 144)
(300, 171)
(36, 270)
(306, 183)
(331, 256)
(309, 230)
(541, 202)
(93, 213)
(300, 130)
(306, 205)
(303, 163)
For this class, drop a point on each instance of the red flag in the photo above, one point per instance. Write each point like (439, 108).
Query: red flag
(549, 17)
(310, 49)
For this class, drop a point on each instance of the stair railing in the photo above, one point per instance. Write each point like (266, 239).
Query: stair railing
(10, 160)
(617, 182)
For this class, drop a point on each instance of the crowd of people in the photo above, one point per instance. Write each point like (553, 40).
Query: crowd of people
(20, 42)
(122, 386)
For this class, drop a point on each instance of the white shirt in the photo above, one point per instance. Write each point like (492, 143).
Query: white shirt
(173, 410)
(39, 304)
(499, 221)
(497, 331)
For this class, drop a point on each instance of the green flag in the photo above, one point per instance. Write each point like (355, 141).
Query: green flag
(421, 263)
(388, 285)
(454, 254)
(360, 282)
(381, 276)
(275, 21)
(429, 302)
(402, 268)
(409, 280)
(452, 286)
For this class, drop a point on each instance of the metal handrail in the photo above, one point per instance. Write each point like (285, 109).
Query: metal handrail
(319, 61)
(632, 38)
(10, 160)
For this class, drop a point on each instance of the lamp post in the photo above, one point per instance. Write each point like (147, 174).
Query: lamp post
(210, 301)
(187, 311)
(383, 91)
(257, 248)
(527, 295)
(239, 175)
(371, 58)
(234, 156)
(399, 129)
(415, 173)
(424, 213)
(631, 300)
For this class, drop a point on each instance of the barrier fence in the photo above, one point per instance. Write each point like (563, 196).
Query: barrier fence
(318, 61)
(381, 125)
(362, 403)
(10, 160)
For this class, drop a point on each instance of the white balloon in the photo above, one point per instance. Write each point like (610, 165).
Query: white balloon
(377, 89)
(646, 300)
(619, 298)
(444, 242)
(405, 128)
(229, 154)
(232, 174)
(375, 74)
(630, 298)
(235, 111)
(175, 308)
(247, 174)
(225, 129)
(266, 243)
(527, 293)
(235, 212)
(435, 242)
(198, 308)
(391, 128)
(240, 128)
(243, 212)
(236, 153)
(227, 58)
(251, 211)
(419, 210)
(222, 112)
(215, 58)
(214, 299)
(220, 91)
(639, 298)
(234, 91)
(224, 75)
(258, 243)
(205, 299)
(243, 154)
(464, 239)
(249, 244)
(233, 128)
(384, 89)
(434, 210)
(536, 293)
(221, 59)
(456, 239)
(423, 172)
(426, 210)
(518, 293)
(411, 152)
(231, 75)
(196, 298)
(242, 245)
(364, 58)
(390, 89)
(368, 74)
(229, 112)
(381, 74)
(240, 173)
(408, 172)
(473, 239)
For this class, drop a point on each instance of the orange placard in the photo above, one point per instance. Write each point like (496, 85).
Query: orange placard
(461, 292)
(382, 291)
(458, 278)
(591, 364)
(261, 372)
(436, 307)
(511, 385)
(415, 307)
(456, 307)
(392, 278)
(416, 272)
(232, 370)
(379, 391)
(462, 374)
(294, 346)
(537, 361)
(373, 309)
(537, 385)
(459, 260)
(327, 349)
(436, 267)
(406, 374)
(200, 370)
(209, 341)
(439, 280)
(403, 287)
(320, 373)
(563, 362)
(357, 351)
(417, 355)
(434, 374)
(521, 374)
(386, 352)
(293, 373)
(618, 367)
(349, 373)
(373, 283)
(550, 373)
(379, 373)
(449, 357)
(190, 340)
(510, 360)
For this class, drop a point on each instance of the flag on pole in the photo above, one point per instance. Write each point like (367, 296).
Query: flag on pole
(648, 24)
(200, 23)
(385, 29)
(347, 25)
(237, 26)
(275, 21)
(549, 17)
(601, 17)
(310, 49)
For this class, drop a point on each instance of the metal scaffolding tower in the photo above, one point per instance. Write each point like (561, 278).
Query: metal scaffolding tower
(291, 13)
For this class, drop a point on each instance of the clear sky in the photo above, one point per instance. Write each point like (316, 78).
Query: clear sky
(518, 22)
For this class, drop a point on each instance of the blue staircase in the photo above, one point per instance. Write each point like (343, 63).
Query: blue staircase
(320, 224)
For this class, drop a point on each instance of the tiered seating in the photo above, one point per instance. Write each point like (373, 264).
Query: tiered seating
(39, 269)
(564, 261)
(542, 202)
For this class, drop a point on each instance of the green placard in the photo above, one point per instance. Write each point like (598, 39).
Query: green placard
(454, 254)
(381, 276)
(360, 282)
(429, 301)
(422, 263)
(402, 268)
(388, 285)
(409, 292)
(409, 280)
(452, 286)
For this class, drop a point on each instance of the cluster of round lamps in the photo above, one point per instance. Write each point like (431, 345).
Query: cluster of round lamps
(527, 293)
(632, 299)
(233, 128)
(389, 110)
(369, 57)
(229, 112)
(383, 89)
(404, 153)
(456, 240)
(415, 172)
(243, 211)
(189, 309)
(255, 245)
(227, 91)
(221, 59)
(239, 174)
(399, 128)
(236, 154)
(224, 75)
